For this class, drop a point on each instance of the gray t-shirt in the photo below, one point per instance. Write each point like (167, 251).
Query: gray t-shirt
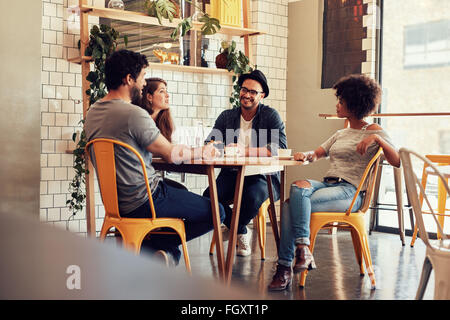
(119, 120)
(346, 162)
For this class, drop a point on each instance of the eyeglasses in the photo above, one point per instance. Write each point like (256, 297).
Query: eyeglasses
(252, 93)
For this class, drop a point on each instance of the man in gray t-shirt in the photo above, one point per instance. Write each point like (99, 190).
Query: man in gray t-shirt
(119, 120)
(114, 117)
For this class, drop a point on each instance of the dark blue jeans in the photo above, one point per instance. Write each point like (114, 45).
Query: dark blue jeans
(173, 202)
(254, 193)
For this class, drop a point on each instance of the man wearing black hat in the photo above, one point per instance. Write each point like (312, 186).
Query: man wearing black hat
(257, 130)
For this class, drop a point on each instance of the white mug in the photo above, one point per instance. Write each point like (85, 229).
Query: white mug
(231, 151)
(284, 152)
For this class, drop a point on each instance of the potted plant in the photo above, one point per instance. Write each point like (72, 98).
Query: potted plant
(169, 9)
(234, 61)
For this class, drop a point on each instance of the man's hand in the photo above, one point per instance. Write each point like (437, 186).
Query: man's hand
(210, 152)
(242, 151)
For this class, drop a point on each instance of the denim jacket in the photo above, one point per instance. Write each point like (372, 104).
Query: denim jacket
(268, 128)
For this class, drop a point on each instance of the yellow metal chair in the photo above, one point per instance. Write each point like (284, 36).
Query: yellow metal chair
(354, 221)
(132, 230)
(439, 160)
(437, 255)
(260, 222)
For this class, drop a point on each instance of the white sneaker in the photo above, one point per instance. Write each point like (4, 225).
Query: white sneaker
(243, 244)
(162, 257)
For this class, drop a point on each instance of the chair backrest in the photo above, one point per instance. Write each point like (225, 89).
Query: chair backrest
(368, 179)
(413, 184)
(105, 166)
(439, 159)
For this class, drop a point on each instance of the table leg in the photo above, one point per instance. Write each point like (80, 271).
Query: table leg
(272, 212)
(234, 223)
(282, 191)
(282, 188)
(216, 221)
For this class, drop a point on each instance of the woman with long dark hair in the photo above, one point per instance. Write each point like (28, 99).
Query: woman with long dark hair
(155, 99)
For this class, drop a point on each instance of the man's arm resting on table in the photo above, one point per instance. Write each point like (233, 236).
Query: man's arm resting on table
(179, 153)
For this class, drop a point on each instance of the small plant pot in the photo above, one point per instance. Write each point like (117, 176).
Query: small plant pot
(222, 60)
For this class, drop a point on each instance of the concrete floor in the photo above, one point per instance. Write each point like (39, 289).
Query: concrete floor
(397, 268)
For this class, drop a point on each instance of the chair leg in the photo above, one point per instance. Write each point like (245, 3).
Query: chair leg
(374, 211)
(260, 222)
(358, 251)
(303, 275)
(424, 277)
(213, 244)
(187, 262)
(399, 198)
(442, 197)
(367, 258)
(414, 236)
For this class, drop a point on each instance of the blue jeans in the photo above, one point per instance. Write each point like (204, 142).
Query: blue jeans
(296, 215)
(254, 193)
(171, 202)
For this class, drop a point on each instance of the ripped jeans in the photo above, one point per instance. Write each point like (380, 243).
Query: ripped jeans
(296, 215)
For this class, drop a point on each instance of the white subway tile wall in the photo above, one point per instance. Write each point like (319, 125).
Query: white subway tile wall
(194, 97)
(372, 22)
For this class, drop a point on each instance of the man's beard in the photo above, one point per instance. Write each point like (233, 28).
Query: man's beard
(135, 95)
(246, 106)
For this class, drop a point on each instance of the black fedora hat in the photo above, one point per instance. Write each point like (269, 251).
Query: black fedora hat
(257, 76)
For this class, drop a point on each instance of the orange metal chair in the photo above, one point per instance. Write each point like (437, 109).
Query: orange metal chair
(260, 222)
(132, 230)
(354, 221)
(439, 160)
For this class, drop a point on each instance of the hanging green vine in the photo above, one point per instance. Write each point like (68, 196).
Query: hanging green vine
(237, 62)
(102, 43)
(169, 9)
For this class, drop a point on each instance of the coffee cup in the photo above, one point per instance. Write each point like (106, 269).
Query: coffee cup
(231, 151)
(284, 152)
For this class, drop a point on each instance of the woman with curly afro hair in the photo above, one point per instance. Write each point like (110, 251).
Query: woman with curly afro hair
(349, 150)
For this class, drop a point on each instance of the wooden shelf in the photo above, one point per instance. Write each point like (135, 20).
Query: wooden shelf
(387, 115)
(164, 66)
(140, 17)
(79, 59)
(183, 68)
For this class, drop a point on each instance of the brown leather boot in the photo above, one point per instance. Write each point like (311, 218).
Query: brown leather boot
(281, 279)
(304, 259)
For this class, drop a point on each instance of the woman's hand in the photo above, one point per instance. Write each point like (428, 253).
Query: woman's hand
(299, 156)
(365, 143)
(305, 156)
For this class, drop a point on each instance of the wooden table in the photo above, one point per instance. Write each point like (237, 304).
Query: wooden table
(244, 166)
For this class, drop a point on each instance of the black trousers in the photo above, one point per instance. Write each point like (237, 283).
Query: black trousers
(254, 193)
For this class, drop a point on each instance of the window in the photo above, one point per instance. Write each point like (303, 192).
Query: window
(427, 45)
(415, 64)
